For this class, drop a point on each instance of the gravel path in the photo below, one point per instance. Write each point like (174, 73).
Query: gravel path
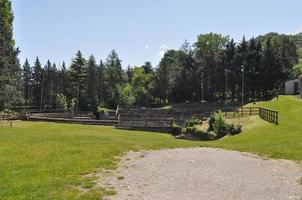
(203, 173)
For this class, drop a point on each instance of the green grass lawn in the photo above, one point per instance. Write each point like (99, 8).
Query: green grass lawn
(276, 141)
(48, 160)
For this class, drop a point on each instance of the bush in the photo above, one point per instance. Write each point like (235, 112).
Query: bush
(195, 133)
(221, 128)
(233, 129)
(61, 101)
(211, 123)
(103, 112)
(193, 122)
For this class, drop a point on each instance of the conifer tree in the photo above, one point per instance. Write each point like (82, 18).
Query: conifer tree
(10, 71)
(101, 70)
(78, 73)
(27, 83)
(37, 82)
(113, 77)
(92, 91)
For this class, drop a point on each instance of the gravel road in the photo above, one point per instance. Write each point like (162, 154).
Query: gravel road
(204, 173)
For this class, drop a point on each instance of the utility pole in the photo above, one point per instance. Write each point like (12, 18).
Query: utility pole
(41, 91)
(202, 87)
(226, 85)
(242, 92)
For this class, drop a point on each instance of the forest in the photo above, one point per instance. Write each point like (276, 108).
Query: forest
(210, 69)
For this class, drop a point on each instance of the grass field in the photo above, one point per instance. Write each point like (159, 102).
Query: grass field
(48, 160)
(276, 141)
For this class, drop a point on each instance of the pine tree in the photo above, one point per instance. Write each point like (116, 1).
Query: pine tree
(37, 82)
(147, 67)
(78, 79)
(129, 74)
(49, 85)
(272, 68)
(113, 78)
(10, 71)
(101, 70)
(27, 83)
(92, 91)
(64, 81)
(231, 69)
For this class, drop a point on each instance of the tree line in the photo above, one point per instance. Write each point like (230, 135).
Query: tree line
(214, 68)
(259, 66)
(193, 73)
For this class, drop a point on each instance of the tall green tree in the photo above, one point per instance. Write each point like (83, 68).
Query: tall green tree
(148, 67)
(113, 79)
(10, 71)
(78, 74)
(101, 69)
(64, 82)
(27, 83)
(166, 75)
(209, 50)
(92, 83)
(37, 84)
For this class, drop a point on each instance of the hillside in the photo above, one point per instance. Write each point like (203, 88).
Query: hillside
(282, 141)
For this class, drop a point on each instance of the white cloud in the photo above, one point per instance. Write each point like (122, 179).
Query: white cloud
(147, 47)
(162, 50)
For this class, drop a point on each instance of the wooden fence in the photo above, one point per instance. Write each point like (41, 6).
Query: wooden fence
(271, 116)
(145, 123)
(64, 115)
(241, 112)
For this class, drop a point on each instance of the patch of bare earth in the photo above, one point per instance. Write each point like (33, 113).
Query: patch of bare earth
(203, 173)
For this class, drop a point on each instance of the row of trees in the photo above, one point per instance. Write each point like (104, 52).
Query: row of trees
(265, 62)
(85, 85)
(192, 73)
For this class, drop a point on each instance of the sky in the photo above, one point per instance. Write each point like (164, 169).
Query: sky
(140, 30)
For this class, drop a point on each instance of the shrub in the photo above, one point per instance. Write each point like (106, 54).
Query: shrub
(211, 123)
(193, 122)
(103, 112)
(61, 101)
(195, 133)
(233, 129)
(221, 128)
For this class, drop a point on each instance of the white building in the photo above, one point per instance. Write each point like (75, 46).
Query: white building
(294, 87)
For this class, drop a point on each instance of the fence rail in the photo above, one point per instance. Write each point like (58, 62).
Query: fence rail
(245, 111)
(145, 123)
(271, 116)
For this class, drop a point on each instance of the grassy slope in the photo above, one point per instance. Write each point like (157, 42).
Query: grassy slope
(282, 141)
(46, 160)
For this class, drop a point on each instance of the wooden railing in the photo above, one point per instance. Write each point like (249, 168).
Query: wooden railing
(271, 116)
(145, 123)
(241, 112)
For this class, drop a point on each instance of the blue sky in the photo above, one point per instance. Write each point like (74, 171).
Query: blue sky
(140, 30)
